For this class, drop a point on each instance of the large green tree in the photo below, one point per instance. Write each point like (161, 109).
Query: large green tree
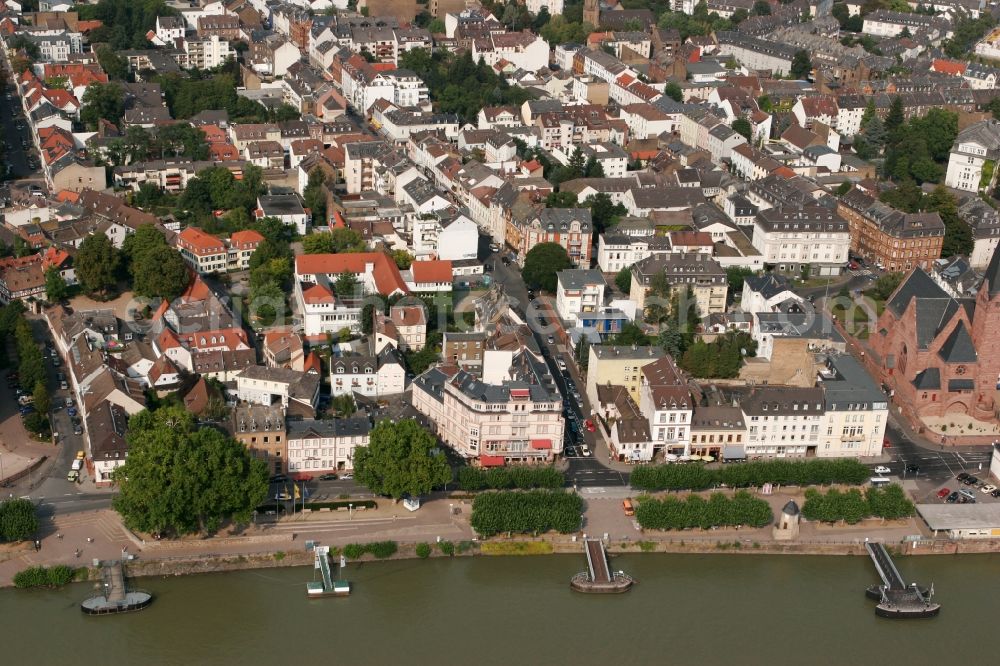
(96, 263)
(542, 263)
(401, 459)
(180, 478)
(801, 66)
(17, 520)
(102, 100)
(161, 273)
(55, 285)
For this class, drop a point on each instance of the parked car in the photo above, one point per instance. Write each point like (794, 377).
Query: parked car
(328, 477)
(911, 468)
(77, 430)
(963, 476)
(943, 493)
(585, 450)
(27, 409)
(589, 425)
(551, 340)
(71, 411)
(346, 477)
(987, 489)
(953, 497)
(970, 481)
(967, 494)
(283, 496)
(882, 469)
(995, 493)
(80, 455)
(561, 363)
(73, 476)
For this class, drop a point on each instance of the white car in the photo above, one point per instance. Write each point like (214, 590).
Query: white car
(986, 490)
(882, 469)
(585, 450)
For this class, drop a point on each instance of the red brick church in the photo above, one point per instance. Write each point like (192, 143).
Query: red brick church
(941, 355)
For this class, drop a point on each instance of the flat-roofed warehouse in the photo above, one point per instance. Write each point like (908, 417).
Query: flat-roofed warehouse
(962, 521)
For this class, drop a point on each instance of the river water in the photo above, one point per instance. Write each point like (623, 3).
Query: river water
(686, 609)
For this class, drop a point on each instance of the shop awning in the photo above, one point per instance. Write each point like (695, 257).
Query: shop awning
(733, 453)
(491, 461)
(541, 443)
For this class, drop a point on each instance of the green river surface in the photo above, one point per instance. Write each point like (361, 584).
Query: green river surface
(685, 609)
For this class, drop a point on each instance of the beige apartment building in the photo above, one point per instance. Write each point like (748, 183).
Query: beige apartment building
(513, 422)
(618, 366)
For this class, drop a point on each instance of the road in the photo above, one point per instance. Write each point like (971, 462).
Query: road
(540, 315)
(936, 465)
(14, 155)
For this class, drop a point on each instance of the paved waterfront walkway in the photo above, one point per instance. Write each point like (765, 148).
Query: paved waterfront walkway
(101, 535)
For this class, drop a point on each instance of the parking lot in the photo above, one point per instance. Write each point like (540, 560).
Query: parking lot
(965, 488)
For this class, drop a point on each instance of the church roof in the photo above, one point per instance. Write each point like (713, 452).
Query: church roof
(929, 379)
(917, 284)
(958, 348)
(993, 275)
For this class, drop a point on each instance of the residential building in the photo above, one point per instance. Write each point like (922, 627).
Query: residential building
(282, 348)
(106, 427)
(298, 392)
(317, 447)
(21, 278)
(285, 207)
(464, 349)
(261, 429)
(972, 162)
(666, 401)
(618, 366)
(889, 238)
(697, 273)
(856, 410)
(793, 238)
(570, 227)
(517, 420)
(766, 293)
(578, 292)
(783, 422)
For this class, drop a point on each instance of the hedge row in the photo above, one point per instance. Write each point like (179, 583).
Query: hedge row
(533, 511)
(56, 576)
(505, 478)
(674, 513)
(852, 506)
(379, 549)
(743, 475)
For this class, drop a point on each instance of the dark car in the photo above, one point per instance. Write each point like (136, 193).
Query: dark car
(279, 478)
(953, 497)
(996, 493)
(327, 477)
(963, 476)
(913, 468)
(971, 481)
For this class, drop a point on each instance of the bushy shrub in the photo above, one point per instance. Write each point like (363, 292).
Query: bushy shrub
(525, 512)
(523, 477)
(757, 473)
(852, 507)
(379, 549)
(446, 547)
(56, 576)
(674, 513)
(423, 550)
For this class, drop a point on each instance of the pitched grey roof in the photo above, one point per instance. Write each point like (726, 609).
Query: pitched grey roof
(579, 278)
(958, 347)
(769, 284)
(928, 380)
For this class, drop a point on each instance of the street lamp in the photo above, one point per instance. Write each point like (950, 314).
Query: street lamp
(350, 510)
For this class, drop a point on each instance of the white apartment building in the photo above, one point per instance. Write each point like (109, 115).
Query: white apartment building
(370, 376)
(783, 421)
(856, 410)
(794, 237)
(578, 291)
(665, 400)
(975, 147)
(325, 446)
(555, 7)
(515, 421)
(297, 391)
(206, 52)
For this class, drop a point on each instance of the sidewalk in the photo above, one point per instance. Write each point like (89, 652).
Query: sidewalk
(101, 534)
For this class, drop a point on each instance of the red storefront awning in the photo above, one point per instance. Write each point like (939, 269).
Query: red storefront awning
(541, 443)
(491, 461)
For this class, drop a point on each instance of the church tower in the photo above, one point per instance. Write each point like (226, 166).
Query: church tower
(985, 327)
(592, 12)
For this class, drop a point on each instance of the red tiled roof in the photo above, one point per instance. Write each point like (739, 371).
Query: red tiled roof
(953, 67)
(312, 363)
(384, 271)
(431, 271)
(54, 257)
(318, 294)
(246, 236)
(200, 242)
(223, 152)
(689, 238)
(230, 338)
(196, 291)
(67, 196)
